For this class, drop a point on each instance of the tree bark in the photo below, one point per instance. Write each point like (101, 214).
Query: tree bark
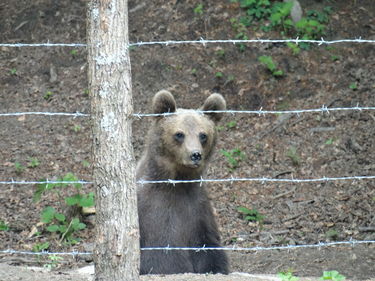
(116, 253)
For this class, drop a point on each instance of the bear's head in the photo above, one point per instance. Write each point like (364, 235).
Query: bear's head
(184, 141)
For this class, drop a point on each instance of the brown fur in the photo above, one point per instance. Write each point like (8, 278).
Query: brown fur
(179, 215)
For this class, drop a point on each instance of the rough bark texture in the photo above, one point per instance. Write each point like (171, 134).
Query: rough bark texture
(117, 234)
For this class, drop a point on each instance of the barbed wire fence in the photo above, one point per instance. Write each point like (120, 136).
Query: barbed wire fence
(259, 112)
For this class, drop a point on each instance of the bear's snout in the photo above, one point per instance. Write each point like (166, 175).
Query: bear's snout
(196, 156)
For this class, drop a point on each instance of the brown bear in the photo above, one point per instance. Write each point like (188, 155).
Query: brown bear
(179, 147)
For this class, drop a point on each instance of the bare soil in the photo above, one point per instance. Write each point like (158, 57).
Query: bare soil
(338, 144)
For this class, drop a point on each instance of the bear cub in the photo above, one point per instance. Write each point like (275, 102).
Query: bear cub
(179, 147)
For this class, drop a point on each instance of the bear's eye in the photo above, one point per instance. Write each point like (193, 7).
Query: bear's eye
(179, 137)
(203, 137)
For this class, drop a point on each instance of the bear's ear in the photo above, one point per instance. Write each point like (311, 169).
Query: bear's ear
(163, 102)
(215, 102)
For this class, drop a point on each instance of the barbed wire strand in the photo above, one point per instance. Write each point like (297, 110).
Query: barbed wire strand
(262, 180)
(262, 41)
(76, 114)
(202, 41)
(202, 180)
(259, 112)
(197, 249)
(20, 45)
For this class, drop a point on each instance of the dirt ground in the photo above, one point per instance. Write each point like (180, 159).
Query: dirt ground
(313, 145)
(86, 274)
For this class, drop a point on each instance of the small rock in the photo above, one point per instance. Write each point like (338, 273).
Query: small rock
(296, 12)
(53, 74)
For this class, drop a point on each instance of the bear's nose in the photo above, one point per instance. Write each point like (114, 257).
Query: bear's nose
(196, 156)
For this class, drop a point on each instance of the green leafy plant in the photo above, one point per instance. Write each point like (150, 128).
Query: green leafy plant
(280, 12)
(251, 215)
(353, 86)
(230, 78)
(13, 71)
(48, 95)
(76, 128)
(58, 223)
(309, 28)
(231, 124)
(255, 9)
(78, 199)
(240, 29)
(335, 58)
(81, 200)
(85, 163)
(19, 168)
(54, 262)
(332, 234)
(74, 52)
(193, 71)
(220, 53)
(330, 141)
(219, 74)
(320, 16)
(287, 276)
(294, 47)
(269, 63)
(332, 275)
(293, 155)
(234, 157)
(33, 162)
(198, 10)
(39, 247)
(3, 226)
(275, 15)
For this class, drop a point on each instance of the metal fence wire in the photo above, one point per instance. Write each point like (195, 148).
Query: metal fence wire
(259, 112)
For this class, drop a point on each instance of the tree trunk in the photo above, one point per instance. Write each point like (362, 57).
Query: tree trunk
(116, 253)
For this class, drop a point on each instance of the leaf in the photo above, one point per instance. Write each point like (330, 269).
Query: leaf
(73, 200)
(53, 228)
(250, 218)
(278, 73)
(332, 275)
(77, 225)
(244, 210)
(41, 188)
(38, 247)
(63, 228)
(47, 214)
(3, 226)
(81, 226)
(268, 62)
(71, 177)
(87, 200)
(60, 217)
